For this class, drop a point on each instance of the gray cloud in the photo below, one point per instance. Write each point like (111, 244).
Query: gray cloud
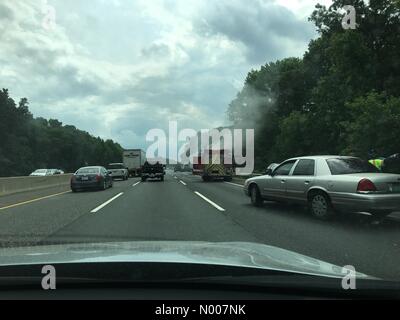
(156, 51)
(5, 13)
(119, 68)
(263, 27)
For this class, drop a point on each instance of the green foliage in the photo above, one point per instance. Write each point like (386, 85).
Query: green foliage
(376, 125)
(28, 144)
(338, 98)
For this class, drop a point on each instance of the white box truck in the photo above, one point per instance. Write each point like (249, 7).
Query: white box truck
(134, 160)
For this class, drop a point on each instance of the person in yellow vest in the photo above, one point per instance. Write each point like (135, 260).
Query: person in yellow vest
(377, 162)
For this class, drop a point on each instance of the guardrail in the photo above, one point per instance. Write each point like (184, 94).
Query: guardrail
(23, 184)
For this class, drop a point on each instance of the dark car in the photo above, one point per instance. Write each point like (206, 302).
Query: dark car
(392, 164)
(178, 168)
(153, 171)
(91, 178)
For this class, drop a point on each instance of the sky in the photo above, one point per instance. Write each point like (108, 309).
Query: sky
(118, 68)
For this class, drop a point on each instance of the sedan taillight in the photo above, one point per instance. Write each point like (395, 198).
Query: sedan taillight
(73, 178)
(98, 177)
(366, 185)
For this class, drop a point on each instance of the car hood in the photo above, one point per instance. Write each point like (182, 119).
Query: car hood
(235, 254)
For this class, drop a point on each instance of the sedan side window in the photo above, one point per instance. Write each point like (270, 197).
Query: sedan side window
(284, 169)
(305, 167)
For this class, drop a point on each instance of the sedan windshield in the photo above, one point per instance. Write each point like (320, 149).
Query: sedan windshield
(41, 171)
(350, 165)
(88, 171)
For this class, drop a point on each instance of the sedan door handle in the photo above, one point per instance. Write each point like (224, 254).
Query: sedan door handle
(283, 181)
(306, 182)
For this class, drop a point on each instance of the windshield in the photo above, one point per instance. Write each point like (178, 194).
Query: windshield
(264, 122)
(88, 171)
(351, 165)
(41, 171)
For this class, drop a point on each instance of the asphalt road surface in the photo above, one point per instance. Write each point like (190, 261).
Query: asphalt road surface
(183, 207)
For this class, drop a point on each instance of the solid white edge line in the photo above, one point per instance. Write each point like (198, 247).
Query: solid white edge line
(183, 182)
(106, 203)
(134, 185)
(235, 184)
(209, 201)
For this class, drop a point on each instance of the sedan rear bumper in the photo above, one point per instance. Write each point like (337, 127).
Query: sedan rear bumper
(357, 202)
(87, 185)
(152, 175)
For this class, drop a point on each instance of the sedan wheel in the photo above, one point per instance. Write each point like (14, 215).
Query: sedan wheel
(320, 206)
(255, 196)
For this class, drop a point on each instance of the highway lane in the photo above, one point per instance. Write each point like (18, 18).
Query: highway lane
(185, 208)
(348, 239)
(154, 210)
(29, 223)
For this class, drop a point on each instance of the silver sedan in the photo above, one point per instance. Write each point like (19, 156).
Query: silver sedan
(327, 184)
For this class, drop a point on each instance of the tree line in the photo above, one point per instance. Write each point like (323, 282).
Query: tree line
(28, 143)
(342, 97)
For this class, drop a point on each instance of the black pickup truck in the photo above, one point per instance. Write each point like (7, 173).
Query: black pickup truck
(153, 171)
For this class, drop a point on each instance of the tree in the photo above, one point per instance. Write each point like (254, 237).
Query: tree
(371, 114)
(28, 143)
(315, 105)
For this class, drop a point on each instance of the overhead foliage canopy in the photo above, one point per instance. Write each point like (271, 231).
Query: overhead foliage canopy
(342, 97)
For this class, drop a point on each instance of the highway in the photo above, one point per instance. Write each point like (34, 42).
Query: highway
(183, 207)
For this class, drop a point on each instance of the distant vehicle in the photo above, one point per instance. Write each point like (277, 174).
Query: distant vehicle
(214, 168)
(118, 170)
(326, 183)
(134, 159)
(55, 172)
(46, 172)
(91, 178)
(39, 173)
(153, 171)
(178, 168)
